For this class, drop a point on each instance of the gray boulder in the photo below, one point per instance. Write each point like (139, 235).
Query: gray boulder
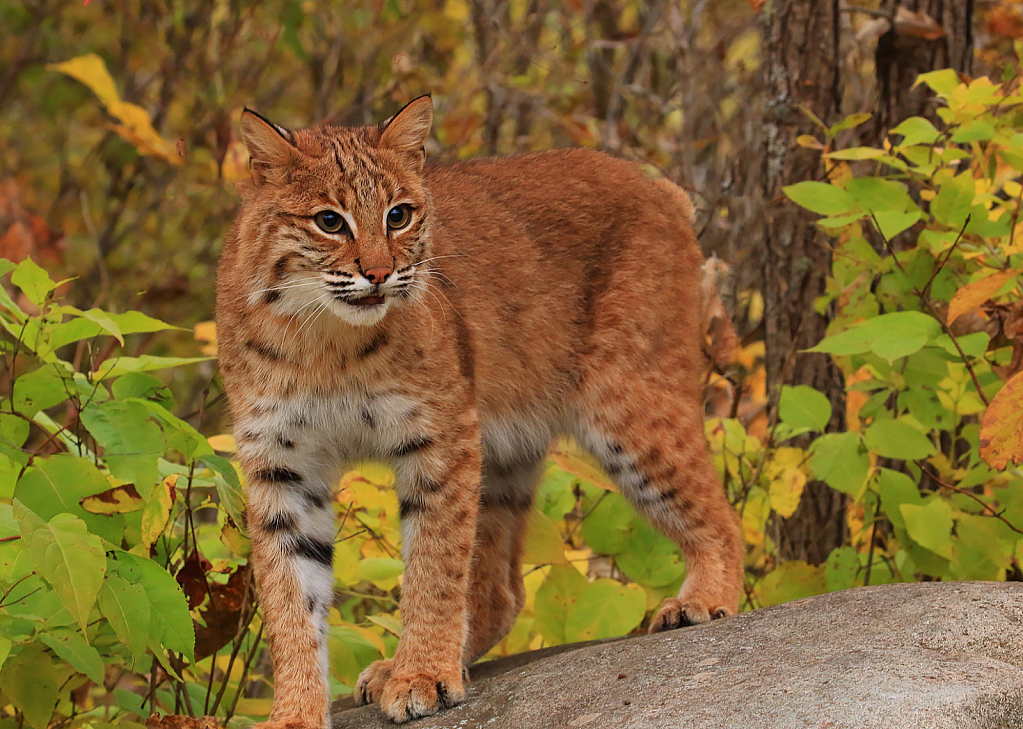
(921, 656)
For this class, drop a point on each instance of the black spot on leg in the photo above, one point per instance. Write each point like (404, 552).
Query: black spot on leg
(311, 605)
(410, 507)
(427, 485)
(271, 296)
(315, 499)
(278, 474)
(315, 550)
(413, 445)
(513, 500)
(669, 494)
(280, 523)
(368, 418)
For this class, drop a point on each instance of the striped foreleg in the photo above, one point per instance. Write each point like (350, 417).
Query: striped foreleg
(291, 521)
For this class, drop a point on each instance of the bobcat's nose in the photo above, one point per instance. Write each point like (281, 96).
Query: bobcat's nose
(377, 275)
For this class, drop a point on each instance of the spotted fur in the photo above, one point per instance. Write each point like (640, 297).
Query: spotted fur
(527, 297)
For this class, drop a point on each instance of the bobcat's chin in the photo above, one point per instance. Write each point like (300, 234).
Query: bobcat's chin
(363, 313)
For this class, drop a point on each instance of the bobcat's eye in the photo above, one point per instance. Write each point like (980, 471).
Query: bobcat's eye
(398, 217)
(329, 221)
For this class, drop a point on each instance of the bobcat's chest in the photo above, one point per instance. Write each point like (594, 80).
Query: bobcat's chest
(335, 427)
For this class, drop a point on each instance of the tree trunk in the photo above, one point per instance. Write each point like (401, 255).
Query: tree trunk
(802, 67)
(901, 57)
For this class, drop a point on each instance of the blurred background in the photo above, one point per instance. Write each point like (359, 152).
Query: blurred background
(119, 153)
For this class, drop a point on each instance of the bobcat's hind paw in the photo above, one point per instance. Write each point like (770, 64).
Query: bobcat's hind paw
(370, 686)
(677, 614)
(421, 694)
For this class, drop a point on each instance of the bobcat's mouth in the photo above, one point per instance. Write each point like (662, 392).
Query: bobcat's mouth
(374, 300)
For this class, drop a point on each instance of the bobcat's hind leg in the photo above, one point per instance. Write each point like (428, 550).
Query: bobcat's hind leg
(651, 442)
(496, 592)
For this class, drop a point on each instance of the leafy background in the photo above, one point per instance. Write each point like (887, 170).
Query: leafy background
(124, 586)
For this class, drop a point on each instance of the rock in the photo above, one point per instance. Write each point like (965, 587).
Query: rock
(926, 656)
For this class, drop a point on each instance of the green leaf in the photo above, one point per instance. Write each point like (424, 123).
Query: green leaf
(126, 607)
(822, 198)
(840, 568)
(171, 623)
(182, 437)
(131, 440)
(117, 366)
(91, 323)
(607, 528)
(836, 459)
(556, 596)
(229, 487)
(890, 336)
(5, 651)
(930, 525)
(804, 408)
(649, 557)
(32, 682)
(603, 609)
(142, 386)
(57, 484)
(850, 122)
(41, 389)
(893, 222)
(34, 282)
(897, 439)
(954, 200)
(67, 556)
(543, 544)
(925, 406)
(916, 130)
(350, 652)
(879, 195)
(895, 489)
(942, 82)
(554, 497)
(791, 581)
(72, 648)
(381, 571)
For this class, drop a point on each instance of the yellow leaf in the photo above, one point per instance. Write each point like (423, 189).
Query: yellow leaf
(973, 295)
(809, 141)
(787, 479)
(388, 622)
(91, 71)
(157, 510)
(1001, 426)
(580, 559)
(254, 707)
(136, 126)
(581, 465)
(206, 331)
(224, 443)
(236, 163)
(543, 543)
(118, 500)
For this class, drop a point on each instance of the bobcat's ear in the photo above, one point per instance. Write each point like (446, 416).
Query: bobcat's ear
(406, 131)
(271, 147)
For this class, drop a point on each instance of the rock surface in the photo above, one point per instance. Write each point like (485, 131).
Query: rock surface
(925, 656)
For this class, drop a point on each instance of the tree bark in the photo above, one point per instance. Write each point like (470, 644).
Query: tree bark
(901, 57)
(802, 67)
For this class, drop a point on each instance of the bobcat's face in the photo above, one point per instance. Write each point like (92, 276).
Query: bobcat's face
(342, 217)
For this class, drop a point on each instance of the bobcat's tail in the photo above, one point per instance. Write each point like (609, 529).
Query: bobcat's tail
(716, 322)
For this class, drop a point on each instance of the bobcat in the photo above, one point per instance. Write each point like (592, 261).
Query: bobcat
(451, 321)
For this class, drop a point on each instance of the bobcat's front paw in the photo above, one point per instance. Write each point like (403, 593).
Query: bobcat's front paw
(675, 613)
(421, 694)
(370, 686)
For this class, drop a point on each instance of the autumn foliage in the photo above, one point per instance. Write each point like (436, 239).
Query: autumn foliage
(124, 585)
